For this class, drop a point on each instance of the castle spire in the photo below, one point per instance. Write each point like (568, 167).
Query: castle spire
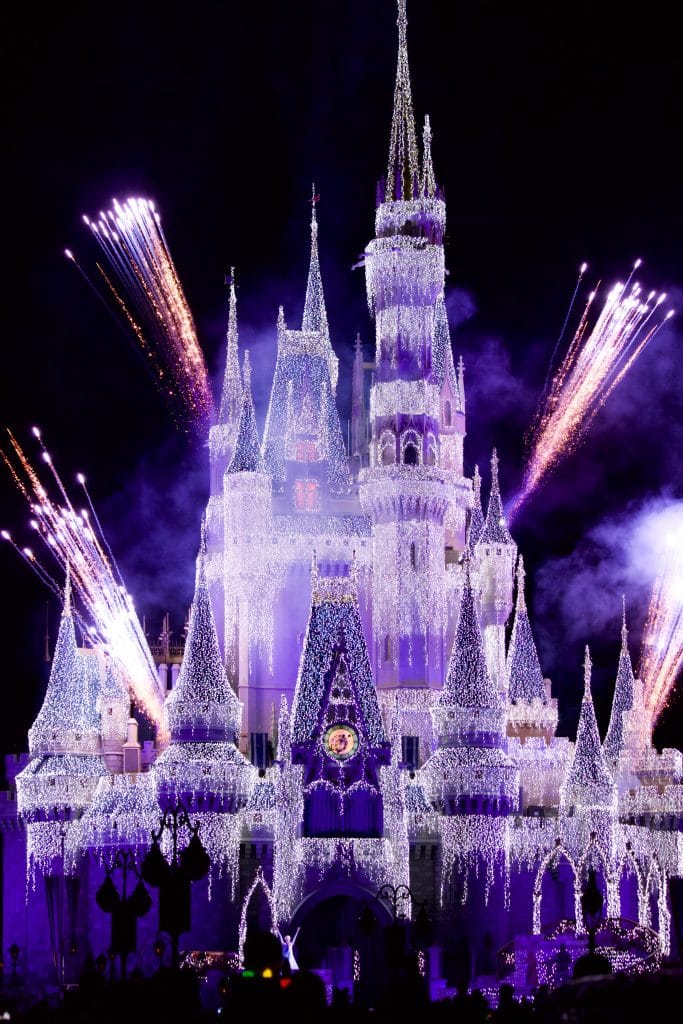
(67, 721)
(476, 525)
(468, 683)
(315, 312)
(461, 383)
(589, 780)
(247, 456)
(403, 169)
(428, 182)
(231, 395)
(523, 666)
(202, 705)
(623, 697)
(495, 527)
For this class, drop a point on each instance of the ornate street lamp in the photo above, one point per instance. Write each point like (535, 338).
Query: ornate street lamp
(173, 879)
(124, 909)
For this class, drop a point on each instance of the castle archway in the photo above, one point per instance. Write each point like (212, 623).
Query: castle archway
(333, 938)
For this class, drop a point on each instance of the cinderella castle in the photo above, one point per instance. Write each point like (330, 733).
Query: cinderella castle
(360, 702)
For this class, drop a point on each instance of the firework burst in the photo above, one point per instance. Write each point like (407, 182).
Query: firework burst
(598, 358)
(661, 657)
(140, 274)
(75, 542)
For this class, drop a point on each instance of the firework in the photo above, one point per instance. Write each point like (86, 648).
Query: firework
(140, 275)
(75, 541)
(661, 658)
(598, 358)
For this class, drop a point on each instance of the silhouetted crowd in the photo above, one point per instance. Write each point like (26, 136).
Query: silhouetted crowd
(267, 990)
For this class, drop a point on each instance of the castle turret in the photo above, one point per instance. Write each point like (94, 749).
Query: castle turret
(64, 742)
(202, 765)
(475, 526)
(531, 710)
(496, 553)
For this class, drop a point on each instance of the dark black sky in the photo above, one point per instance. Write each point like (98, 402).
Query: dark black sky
(556, 138)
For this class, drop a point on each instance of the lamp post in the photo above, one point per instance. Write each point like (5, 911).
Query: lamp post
(124, 909)
(400, 897)
(173, 879)
(591, 908)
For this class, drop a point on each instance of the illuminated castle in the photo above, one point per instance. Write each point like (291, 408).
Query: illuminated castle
(360, 700)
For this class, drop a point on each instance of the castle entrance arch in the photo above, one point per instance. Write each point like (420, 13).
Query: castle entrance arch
(335, 938)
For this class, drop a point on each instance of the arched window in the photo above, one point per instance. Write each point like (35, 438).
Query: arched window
(387, 448)
(410, 448)
(413, 555)
(447, 413)
(387, 648)
(430, 459)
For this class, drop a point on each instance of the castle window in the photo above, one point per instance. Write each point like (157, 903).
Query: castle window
(413, 555)
(430, 459)
(306, 495)
(387, 648)
(410, 751)
(258, 749)
(447, 413)
(387, 447)
(410, 448)
(306, 451)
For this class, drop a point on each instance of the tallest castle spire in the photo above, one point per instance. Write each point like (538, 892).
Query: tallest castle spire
(403, 169)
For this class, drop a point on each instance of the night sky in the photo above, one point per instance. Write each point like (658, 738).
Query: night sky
(556, 137)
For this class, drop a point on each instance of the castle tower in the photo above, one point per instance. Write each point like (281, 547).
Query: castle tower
(471, 778)
(250, 581)
(531, 709)
(59, 780)
(405, 491)
(495, 555)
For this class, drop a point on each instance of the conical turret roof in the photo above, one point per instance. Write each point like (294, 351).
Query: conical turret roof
(523, 667)
(468, 683)
(623, 699)
(202, 704)
(247, 457)
(495, 526)
(589, 780)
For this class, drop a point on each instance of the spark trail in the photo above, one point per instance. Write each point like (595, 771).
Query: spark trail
(141, 276)
(75, 541)
(661, 659)
(597, 360)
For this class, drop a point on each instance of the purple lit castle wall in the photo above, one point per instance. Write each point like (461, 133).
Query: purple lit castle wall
(349, 711)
